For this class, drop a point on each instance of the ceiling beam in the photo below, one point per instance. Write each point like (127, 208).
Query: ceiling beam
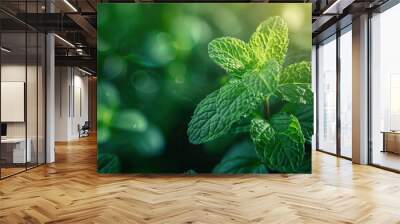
(337, 7)
(81, 61)
(84, 24)
(47, 22)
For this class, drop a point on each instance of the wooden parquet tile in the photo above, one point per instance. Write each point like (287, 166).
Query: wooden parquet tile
(70, 191)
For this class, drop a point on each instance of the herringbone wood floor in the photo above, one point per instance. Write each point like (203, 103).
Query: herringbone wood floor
(70, 191)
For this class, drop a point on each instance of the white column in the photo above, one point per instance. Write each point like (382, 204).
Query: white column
(360, 90)
(50, 92)
(50, 99)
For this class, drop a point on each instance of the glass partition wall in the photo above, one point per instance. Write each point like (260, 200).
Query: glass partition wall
(13, 89)
(385, 89)
(22, 98)
(334, 85)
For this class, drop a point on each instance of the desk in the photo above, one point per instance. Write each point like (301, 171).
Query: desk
(391, 141)
(16, 147)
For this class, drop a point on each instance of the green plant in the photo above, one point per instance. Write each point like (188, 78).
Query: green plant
(270, 101)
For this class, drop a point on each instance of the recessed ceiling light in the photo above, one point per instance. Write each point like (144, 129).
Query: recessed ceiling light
(337, 7)
(70, 5)
(64, 40)
(5, 50)
(84, 71)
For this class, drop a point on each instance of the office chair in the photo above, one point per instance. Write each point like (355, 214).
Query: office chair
(84, 130)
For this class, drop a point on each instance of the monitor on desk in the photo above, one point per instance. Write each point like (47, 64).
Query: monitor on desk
(3, 130)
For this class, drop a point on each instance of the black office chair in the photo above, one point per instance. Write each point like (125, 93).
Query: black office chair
(84, 130)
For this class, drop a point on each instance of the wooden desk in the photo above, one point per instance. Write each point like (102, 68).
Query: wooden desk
(391, 141)
(13, 150)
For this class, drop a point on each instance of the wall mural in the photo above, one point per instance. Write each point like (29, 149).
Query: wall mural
(204, 88)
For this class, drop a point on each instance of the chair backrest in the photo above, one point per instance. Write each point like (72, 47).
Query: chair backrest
(86, 124)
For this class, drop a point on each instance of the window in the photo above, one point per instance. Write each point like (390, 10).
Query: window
(346, 92)
(327, 96)
(385, 89)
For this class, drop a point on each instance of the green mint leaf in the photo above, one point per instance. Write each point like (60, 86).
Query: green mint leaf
(270, 41)
(242, 158)
(241, 126)
(267, 78)
(298, 93)
(232, 54)
(296, 73)
(295, 84)
(279, 143)
(263, 136)
(215, 115)
(304, 113)
(280, 121)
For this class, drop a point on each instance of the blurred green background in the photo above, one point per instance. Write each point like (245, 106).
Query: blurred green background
(153, 69)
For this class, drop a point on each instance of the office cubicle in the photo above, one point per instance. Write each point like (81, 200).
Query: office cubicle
(22, 91)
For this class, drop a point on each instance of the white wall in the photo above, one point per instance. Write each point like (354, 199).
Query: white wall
(80, 100)
(62, 81)
(13, 72)
(71, 93)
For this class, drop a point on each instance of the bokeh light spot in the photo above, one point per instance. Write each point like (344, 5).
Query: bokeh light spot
(160, 48)
(130, 120)
(108, 94)
(144, 82)
(114, 66)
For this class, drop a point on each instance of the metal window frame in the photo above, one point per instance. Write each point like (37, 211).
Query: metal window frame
(339, 32)
(386, 6)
